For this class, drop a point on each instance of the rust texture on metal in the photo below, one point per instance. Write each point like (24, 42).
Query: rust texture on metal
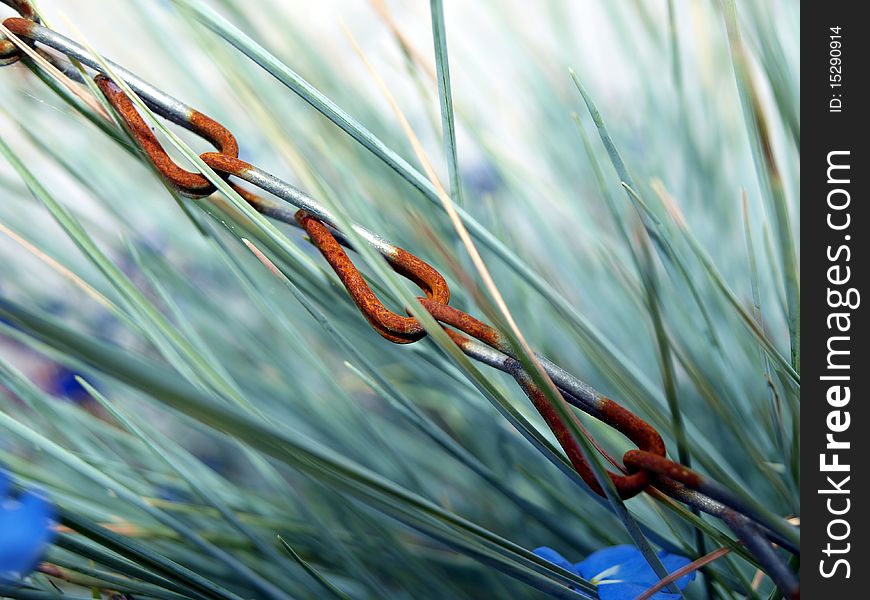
(463, 321)
(225, 163)
(648, 461)
(627, 486)
(9, 52)
(186, 182)
(394, 327)
(421, 273)
(631, 426)
(403, 330)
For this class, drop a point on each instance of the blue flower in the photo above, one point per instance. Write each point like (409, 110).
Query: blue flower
(621, 572)
(65, 385)
(25, 531)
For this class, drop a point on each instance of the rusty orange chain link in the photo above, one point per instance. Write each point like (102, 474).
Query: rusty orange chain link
(9, 52)
(401, 329)
(645, 467)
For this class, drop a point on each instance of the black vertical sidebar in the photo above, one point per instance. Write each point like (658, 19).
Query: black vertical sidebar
(835, 430)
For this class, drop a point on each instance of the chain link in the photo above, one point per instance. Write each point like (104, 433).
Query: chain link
(644, 468)
(9, 52)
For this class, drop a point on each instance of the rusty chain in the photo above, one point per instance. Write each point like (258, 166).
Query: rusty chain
(645, 469)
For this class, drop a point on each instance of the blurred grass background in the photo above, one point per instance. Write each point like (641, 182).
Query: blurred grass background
(701, 101)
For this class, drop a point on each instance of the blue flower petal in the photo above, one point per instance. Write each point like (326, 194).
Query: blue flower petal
(555, 558)
(25, 530)
(637, 570)
(622, 572)
(630, 591)
(674, 562)
(65, 385)
(605, 559)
